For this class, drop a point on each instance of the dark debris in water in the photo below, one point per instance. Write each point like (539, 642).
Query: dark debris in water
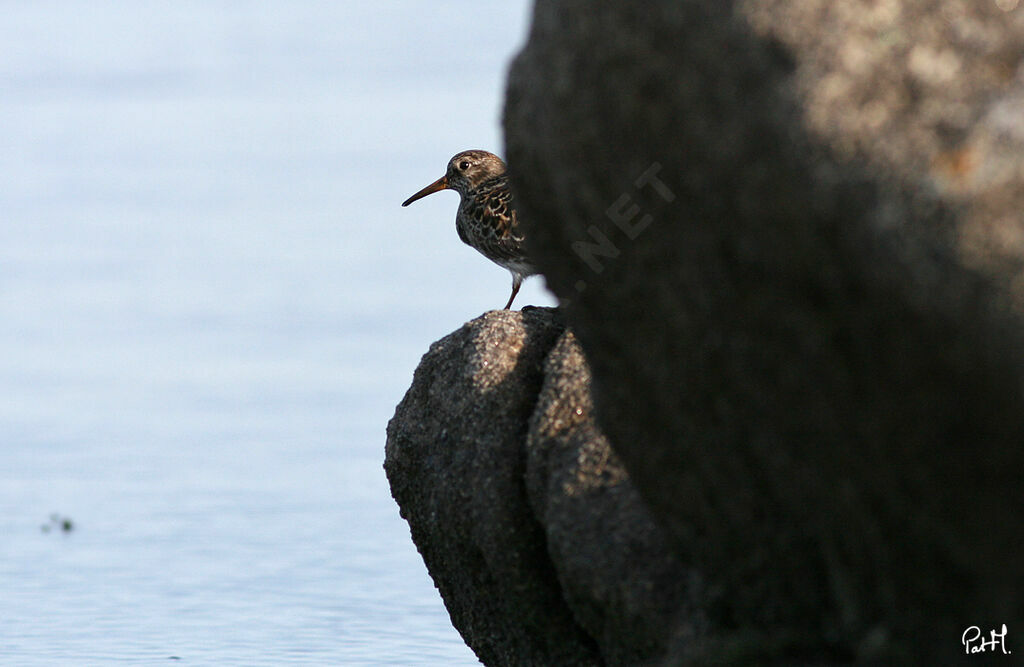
(60, 523)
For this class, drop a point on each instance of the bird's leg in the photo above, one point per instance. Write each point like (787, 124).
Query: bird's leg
(517, 281)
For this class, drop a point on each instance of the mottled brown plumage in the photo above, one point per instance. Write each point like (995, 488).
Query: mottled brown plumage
(486, 219)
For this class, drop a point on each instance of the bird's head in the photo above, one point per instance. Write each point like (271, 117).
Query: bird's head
(465, 172)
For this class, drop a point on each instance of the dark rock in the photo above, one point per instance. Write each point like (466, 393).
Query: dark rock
(541, 549)
(455, 460)
(617, 572)
(788, 238)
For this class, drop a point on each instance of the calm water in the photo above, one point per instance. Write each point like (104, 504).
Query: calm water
(210, 303)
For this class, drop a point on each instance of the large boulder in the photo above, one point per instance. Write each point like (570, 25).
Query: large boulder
(543, 552)
(788, 237)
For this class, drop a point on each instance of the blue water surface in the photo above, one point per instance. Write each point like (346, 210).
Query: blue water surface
(210, 303)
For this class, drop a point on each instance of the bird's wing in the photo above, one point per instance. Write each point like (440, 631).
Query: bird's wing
(494, 216)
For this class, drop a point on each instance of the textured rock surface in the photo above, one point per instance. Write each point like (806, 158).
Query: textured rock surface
(527, 522)
(788, 236)
(617, 573)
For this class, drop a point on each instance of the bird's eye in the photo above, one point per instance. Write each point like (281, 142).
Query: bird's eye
(464, 165)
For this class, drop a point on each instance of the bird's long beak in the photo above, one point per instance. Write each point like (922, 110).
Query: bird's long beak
(439, 184)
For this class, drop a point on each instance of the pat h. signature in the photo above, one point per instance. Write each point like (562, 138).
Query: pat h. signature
(974, 642)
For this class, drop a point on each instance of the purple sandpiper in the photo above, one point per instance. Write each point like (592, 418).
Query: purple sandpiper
(486, 219)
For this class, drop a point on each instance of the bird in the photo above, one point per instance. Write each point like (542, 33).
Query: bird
(486, 219)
